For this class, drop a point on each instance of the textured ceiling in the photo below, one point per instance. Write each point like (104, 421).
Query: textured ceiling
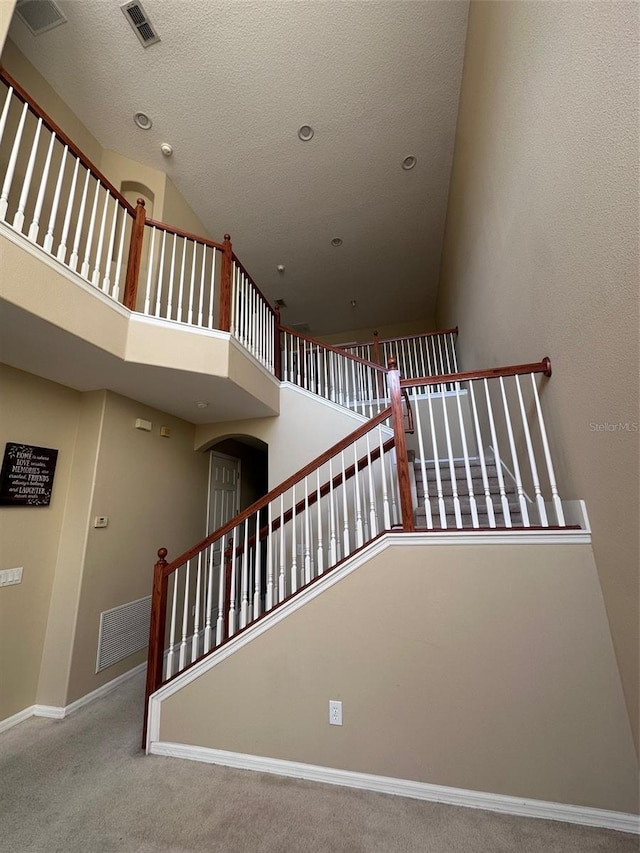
(229, 85)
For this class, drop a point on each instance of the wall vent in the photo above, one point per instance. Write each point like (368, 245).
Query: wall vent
(123, 631)
(140, 23)
(39, 16)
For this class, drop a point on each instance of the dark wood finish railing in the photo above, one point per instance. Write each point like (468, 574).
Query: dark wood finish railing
(543, 366)
(402, 459)
(130, 297)
(332, 348)
(49, 123)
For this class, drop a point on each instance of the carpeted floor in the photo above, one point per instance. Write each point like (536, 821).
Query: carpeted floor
(82, 785)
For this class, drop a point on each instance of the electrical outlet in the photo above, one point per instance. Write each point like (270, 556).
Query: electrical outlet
(335, 712)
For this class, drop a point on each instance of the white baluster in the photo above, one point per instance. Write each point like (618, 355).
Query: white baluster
(496, 454)
(345, 511)
(147, 294)
(11, 165)
(307, 534)
(442, 511)
(333, 539)
(233, 585)
(5, 111)
(160, 275)
(257, 591)
(483, 466)
(465, 453)
(48, 240)
(453, 352)
(185, 619)
(423, 467)
(172, 627)
(514, 458)
(212, 287)
(96, 271)
(244, 591)
(452, 467)
(181, 284)
(116, 279)
(209, 601)
(385, 494)
(106, 281)
(172, 267)
(270, 579)
(62, 247)
(393, 481)
(192, 281)
(557, 503)
(282, 578)
(34, 228)
(373, 510)
(542, 512)
(320, 548)
(294, 543)
(73, 260)
(203, 264)
(195, 639)
(356, 478)
(221, 592)
(84, 270)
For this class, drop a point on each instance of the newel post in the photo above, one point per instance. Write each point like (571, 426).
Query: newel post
(135, 255)
(400, 442)
(376, 347)
(277, 352)
(225, 284)
(155, 658)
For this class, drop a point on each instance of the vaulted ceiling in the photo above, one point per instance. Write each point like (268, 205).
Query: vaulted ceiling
(228, 86)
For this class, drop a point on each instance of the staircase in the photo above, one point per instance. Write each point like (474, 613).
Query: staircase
(492, 491)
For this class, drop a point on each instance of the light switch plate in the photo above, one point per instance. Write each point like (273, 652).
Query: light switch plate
(8, 577)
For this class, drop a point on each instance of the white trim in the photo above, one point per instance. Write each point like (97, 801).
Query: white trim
(502, 537)
(56, 712)
(20, 717)
(501, 803)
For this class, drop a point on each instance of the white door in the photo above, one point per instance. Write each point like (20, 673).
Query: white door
(224, 490)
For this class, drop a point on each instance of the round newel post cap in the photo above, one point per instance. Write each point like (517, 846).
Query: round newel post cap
(140, 202)
(227, 238)
(162, 553)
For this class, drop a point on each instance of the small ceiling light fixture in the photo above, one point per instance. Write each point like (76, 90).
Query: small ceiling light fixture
(354, 303)
(337, 241)
(280, 267)
(143, 121)
(201, 404)
(409, 162)
(167, 150)
(305, 133)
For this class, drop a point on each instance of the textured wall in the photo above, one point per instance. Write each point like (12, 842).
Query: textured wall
(541, 252)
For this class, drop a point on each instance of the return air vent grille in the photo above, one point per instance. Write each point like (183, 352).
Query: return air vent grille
(123, 631)
(39, 16)
(140, 23)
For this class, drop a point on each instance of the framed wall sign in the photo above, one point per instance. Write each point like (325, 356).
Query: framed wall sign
(26, 478)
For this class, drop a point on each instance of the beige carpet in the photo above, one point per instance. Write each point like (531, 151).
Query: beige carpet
(82, 785)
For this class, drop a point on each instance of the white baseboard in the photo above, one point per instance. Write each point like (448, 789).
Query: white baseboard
(56, 712)
(582, 815)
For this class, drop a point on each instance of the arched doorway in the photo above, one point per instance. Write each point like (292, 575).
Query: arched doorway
(238, 476)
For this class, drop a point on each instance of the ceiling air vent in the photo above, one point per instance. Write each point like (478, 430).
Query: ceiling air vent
(39, 16)
(140, 23)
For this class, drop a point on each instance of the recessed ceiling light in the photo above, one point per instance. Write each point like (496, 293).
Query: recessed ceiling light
(409, 162)
(143, 121)
(337, 241)
(305, 133)
(201, 404)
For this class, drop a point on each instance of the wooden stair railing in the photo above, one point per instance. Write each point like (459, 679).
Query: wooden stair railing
(338, 376)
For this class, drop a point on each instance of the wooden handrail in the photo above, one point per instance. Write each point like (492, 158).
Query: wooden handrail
(453, 331)
(171, 229)
(253, 284)
(335, 349)
(543, 366)
(48, 122)
(279, 490)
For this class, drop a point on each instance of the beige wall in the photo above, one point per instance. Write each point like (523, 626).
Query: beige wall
(38, 412)
(6, 13)
(152, 489)
(393, 330)
(459, 666)
(307, 426)
(541, 252)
